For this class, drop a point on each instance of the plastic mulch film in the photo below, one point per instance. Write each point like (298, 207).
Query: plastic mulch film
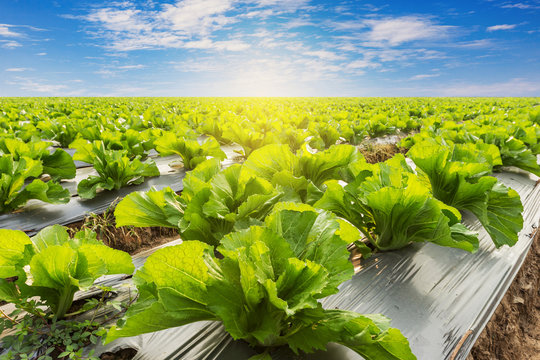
(440, 298)
(36, 214)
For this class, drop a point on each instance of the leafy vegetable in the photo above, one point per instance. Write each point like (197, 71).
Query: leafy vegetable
(54, 266)
(191, 152)
(59, 164)
(457, 180)
(392, 208)
(60, 130)
(114, 168)
(224, 203)
(135, 143)
(13, 192)
(300, 176)
(265, 289)
(151, 208)
(213, 203)
(246, 137)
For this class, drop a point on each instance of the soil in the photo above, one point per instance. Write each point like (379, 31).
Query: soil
(514, 330)
(375, 153)
(127, 238)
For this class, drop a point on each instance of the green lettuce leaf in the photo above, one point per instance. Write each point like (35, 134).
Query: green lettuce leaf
(264, 288)
(13, 193)
(114, 167)
(393, 208)
(225, 202)
(463, 185)
(151, 208)
(53, 266)
(59, 164)
(191, 152)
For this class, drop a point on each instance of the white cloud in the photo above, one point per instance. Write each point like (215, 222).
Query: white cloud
(184, 24)
(512, 87)
(197, 17)
(396, 31)
(295, 23)
(128, 20)
(473, 44)
(33, 86)
(501, 27)
(423, 76)
(521, 6)
(131, 67)
(6, 32)
(325, 55)
(229, 45)
(41, 54)
(287, 5)
(10, 44)
(362, 64)
(105, 72)
(19, 69)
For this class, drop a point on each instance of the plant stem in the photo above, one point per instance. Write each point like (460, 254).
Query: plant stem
(66, 299)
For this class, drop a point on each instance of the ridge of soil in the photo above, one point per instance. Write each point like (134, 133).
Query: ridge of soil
(513, 331)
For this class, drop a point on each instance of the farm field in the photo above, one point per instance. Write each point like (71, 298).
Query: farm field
(390, 226)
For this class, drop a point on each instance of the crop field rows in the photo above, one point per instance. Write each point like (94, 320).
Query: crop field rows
(269, 196)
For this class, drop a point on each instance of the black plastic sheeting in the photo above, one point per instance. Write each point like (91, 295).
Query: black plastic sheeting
(438, 297)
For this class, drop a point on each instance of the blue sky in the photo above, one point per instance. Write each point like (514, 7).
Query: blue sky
(270, 48)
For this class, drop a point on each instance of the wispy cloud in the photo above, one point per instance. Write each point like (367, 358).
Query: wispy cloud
(182, 24)
(512, 87)
(473, 44)
(325, 55)
(399, 30)
(41, 54)
(7, 32)
(501, 27)
(131, 67)
(36, 86)
(19, 69)
(522, 6)
(186, 23)
(9, 44)
(229, 45)
(362, 64)
(423, 76)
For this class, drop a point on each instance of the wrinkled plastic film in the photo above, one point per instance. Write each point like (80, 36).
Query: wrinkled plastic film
(434, 295)
(36, 215)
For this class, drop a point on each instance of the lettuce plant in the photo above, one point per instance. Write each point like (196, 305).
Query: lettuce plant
(265, 289)
(14, 193)
(324, 134)
(456, 175)
(60, 130)
(58, 165)
(300, 176)
(190, 150)
(213, 203)
(393, 208)
(53, 266)
(114, 167)
(135, 143)
(248, 138)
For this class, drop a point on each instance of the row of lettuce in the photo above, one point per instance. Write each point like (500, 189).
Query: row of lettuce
(265, 241)
(116, 135)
